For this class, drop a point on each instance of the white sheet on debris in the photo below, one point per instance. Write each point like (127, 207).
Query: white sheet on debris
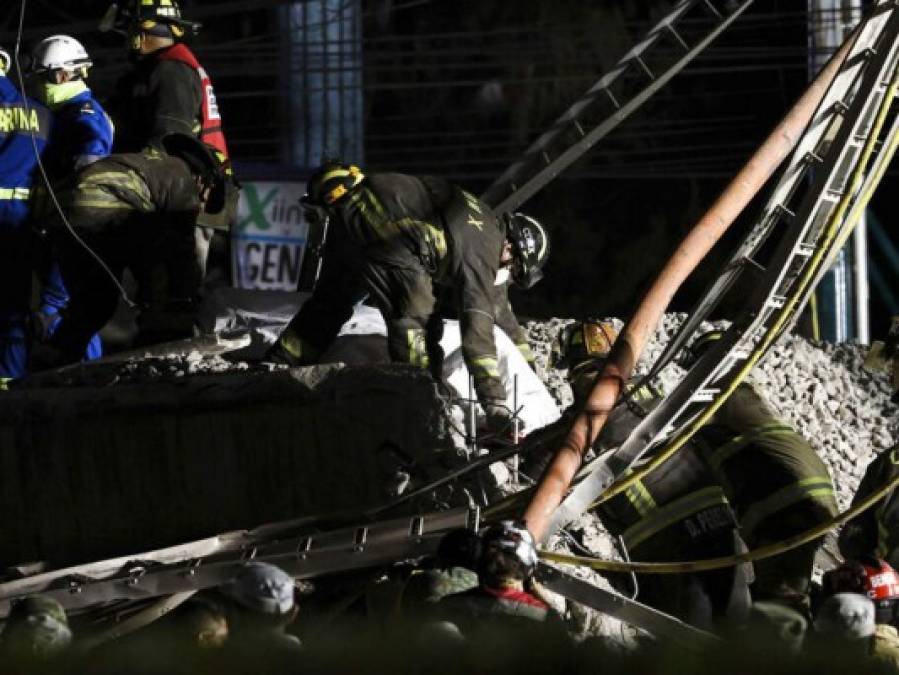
(267, 312)
(538, 408)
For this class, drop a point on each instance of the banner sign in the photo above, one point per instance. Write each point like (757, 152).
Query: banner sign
(270, 238)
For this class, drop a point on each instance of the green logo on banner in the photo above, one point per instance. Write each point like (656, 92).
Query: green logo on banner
(256, 207)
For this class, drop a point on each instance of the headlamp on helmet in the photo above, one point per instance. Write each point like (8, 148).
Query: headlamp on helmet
(530, 248)
(331, 183)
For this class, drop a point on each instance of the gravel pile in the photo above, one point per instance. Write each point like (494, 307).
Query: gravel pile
(822, 390)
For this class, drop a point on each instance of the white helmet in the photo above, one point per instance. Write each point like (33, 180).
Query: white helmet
(5, 61)
(59, 52)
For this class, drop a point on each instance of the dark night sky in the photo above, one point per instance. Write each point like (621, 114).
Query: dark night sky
(429, 108)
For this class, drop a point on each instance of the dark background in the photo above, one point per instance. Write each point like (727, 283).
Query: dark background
(459, 89)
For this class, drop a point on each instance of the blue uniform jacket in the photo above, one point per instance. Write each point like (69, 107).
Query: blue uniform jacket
(82, 134)
(18, 166)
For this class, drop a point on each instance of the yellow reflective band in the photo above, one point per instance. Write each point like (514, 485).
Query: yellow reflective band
(640, 499)
(817, 488)
(484, 366)
(525, 350)
(19, 119)
(736, 444)
(146, 3)
(292, 344)
(669, 514)
(15, 193)
(418, 354)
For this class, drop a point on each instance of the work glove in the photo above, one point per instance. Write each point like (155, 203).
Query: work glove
(498, 418)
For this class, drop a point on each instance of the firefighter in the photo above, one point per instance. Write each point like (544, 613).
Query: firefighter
(853, 584)
(36, 632)
(168, 91)
(25, 128)
(875, 533)
(677, 513)
(114, 206)
(507, 593)
(406, 241)
(82, 134)
(777, 485)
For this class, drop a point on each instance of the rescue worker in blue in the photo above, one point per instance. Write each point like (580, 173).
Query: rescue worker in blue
(82, 134)
(20, 119)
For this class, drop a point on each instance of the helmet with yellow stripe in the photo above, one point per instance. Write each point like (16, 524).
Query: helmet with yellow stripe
(159, 17)
(331, 183)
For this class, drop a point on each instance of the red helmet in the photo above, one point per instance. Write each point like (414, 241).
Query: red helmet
(881, 580)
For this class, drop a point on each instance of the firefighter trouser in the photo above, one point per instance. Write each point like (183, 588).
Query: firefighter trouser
(120, 239)
(15, 298)
(406, 300)
(778, 487)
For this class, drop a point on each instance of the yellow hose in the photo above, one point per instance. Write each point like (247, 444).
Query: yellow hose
(831, 234)
(728, 561)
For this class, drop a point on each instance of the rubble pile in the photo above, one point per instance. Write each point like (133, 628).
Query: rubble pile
(823, 390)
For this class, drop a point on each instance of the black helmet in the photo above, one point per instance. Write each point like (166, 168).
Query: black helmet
(204, 161)
(159, 17)
(333, 181)
(530, 248)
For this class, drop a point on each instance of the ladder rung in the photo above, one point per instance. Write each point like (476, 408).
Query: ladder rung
(784, 212)
(546, 157)
(812, 158)
(644, 67)
(704, 395)
(805, 250)
(746, 261)
(776, 301)
(612, 98)
(580, 129)
(712, 8)
(677, 36)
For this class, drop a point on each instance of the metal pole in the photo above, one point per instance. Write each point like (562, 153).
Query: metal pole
(844, 293)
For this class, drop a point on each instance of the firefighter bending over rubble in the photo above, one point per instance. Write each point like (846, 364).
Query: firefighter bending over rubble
(124, 209)
(405, 241)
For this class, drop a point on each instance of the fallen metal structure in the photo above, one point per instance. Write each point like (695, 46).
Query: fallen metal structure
(811, 211)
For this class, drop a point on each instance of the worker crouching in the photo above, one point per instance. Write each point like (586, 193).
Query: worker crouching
(122, 211)
(407, 243)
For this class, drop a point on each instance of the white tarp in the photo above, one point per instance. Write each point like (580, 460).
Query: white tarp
(270, 236)
(538, 408)
(268, 313)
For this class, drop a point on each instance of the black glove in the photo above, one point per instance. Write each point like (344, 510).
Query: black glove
(39, 325)
(498, 417)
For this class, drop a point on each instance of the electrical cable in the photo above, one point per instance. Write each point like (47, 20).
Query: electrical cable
(761, 553)
(46, 179)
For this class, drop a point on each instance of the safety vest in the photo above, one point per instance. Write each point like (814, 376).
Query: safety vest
(210, 119)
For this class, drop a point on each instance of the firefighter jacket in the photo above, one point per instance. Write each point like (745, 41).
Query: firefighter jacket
(671, 513)
(876, 531)
(165, 93)
(119, 186)
(765, 467)
(19, 119)
(396, 236)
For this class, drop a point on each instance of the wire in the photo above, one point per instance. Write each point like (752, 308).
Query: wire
(760, 553)
(45, 177)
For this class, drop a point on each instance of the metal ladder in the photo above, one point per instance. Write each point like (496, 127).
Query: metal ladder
(668, 47)
(813, 182)
(126, 587)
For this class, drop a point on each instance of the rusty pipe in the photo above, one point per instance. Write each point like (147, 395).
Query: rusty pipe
(633, 338)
